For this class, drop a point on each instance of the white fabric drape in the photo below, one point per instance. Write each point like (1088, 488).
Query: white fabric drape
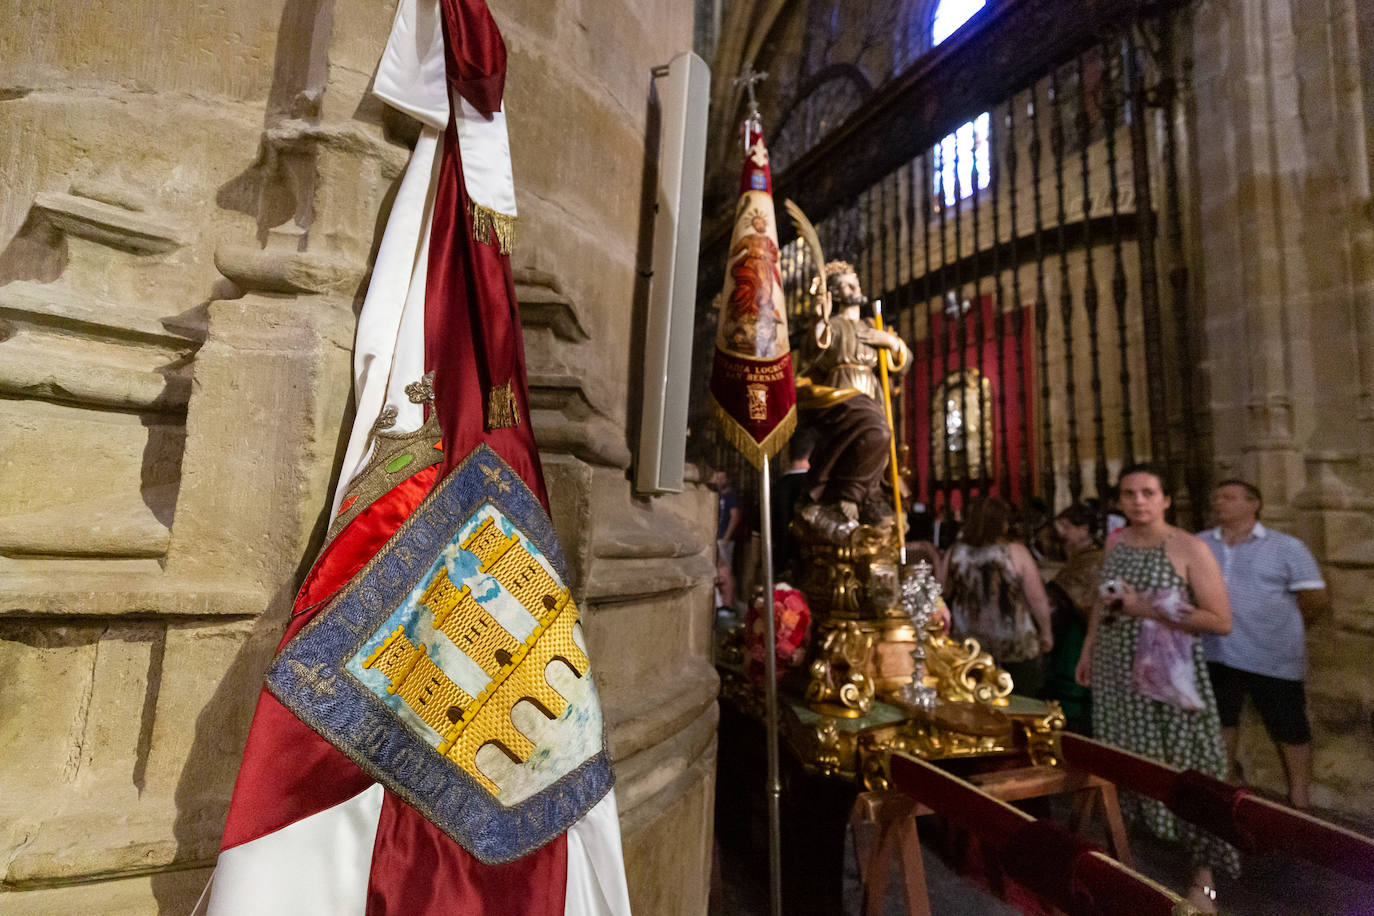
(411, 78)
(596, 864)
(389, 351)
(318, 866)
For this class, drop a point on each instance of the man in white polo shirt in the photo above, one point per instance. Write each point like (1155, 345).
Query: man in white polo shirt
(1275, 586)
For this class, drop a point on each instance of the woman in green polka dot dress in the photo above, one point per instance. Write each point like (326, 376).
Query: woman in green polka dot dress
(1152, 554)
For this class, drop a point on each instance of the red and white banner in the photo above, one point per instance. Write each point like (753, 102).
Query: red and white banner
(368, 819)
(752, 391)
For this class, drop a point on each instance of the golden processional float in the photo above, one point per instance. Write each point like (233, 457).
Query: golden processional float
(888, 704)
(881, 674)
(881, 679)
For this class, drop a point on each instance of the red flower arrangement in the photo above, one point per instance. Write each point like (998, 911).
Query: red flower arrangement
(791, 625)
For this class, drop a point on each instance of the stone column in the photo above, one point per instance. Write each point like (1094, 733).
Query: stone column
(170, 440)
(578, 97)
(191, 201)
(1282, 165)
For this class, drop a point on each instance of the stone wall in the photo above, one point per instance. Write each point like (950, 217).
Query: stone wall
(1282, 110)
(191, 199)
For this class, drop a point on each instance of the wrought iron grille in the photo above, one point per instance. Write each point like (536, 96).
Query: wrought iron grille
(1031, 296)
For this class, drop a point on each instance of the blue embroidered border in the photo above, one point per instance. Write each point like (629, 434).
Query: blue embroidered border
(308, 677)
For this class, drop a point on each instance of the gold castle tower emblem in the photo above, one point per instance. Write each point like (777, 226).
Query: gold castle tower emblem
(516, 667)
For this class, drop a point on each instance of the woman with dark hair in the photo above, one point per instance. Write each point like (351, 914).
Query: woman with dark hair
(1143, 658)
(1072, 593)
(995, 595)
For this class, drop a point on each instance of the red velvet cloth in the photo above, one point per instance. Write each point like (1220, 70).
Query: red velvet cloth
(733, 375)
(1041, 856)
(1211, 804)
(1045, 857)
(963, 804)
(1114, 889)
(1130, 771)
(1232, 813)
(1196, 797)
(1275, 828)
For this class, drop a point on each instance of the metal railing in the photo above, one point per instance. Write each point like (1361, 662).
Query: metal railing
(1023, 262)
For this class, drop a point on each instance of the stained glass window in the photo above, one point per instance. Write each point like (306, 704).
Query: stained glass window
(957, 155)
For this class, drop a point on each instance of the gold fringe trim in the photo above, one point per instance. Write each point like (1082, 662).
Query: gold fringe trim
(739, 437)
(485, 221)
(502, 411)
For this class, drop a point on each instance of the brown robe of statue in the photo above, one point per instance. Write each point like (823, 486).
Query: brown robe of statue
(843, 405)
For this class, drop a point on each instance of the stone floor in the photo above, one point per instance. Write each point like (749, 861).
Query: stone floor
(1268, 885)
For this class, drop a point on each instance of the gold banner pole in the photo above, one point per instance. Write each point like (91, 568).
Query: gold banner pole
(883, 357)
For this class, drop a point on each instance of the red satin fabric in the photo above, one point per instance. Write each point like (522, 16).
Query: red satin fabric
(474, 53)
(358, 543)
(416, 868)
(472, 342)
(472, 332)
(289, 771)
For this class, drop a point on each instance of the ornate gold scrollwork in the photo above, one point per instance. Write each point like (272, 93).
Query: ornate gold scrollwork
(1042, 742)
(838, 583)
(963, 672)
(827, 747)
(874, 634)
(839, 683)
(845, 590)
(927, 740)
(873, 757)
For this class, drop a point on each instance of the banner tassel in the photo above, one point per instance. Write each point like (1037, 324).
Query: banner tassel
(486, 221)
(740, 438)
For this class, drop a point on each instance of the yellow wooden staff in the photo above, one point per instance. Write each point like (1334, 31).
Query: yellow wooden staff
(883, 357)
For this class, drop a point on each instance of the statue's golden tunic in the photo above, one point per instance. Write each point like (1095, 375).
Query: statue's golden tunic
(851, 363)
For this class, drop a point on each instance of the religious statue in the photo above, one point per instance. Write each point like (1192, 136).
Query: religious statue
(841, 399)
(876, 632)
